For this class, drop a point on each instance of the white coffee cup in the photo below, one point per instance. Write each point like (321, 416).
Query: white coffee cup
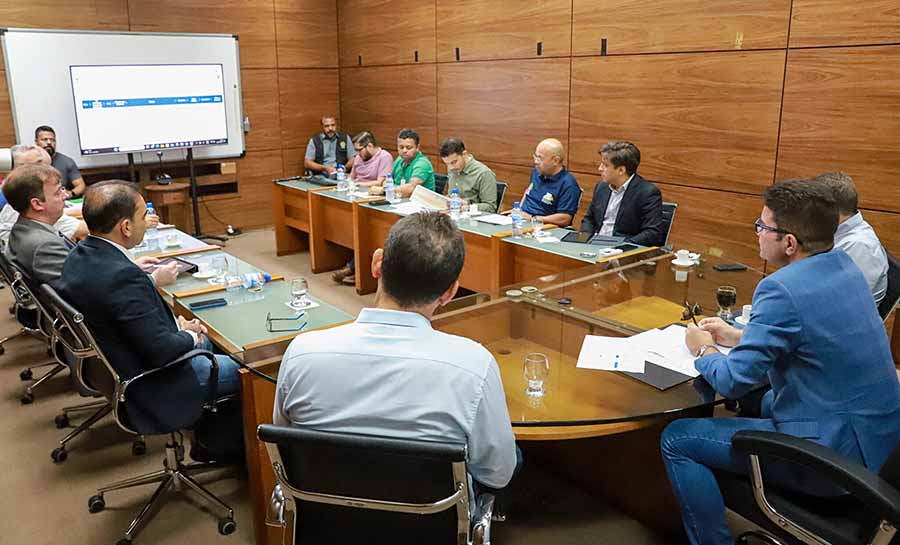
(683, 255)
(204, 267)
(172, 239)
(745, 313)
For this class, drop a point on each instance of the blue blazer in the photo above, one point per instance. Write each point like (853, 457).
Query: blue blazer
(815, 331)
(136, 331)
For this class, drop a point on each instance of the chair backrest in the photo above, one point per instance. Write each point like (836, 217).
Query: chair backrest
(501, 192)
(668, 214)
(440, 183)
(21, 285)
(353, 488)
(14, 279)
(893, 287)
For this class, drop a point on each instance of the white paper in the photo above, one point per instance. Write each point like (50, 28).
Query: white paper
(666, 348)
(610, 354)
(407, 208)
(495, 219)
(544, 237)
(362, 194)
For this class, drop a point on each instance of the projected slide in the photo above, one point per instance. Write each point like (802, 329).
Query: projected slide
(131, 108)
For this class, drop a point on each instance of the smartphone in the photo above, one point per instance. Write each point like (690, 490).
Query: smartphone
(730, 267)
(626, 247)
(208, 303)
(381, 202)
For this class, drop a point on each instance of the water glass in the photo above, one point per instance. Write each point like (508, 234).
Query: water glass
(726, 297)
(537, 226)
(219, 266)
(299, 291)
(537, 369)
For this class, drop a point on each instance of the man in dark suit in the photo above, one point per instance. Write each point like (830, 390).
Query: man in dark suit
(625, 204)
(132, 324)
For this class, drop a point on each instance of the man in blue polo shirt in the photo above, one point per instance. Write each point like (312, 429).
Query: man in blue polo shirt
(553, 193)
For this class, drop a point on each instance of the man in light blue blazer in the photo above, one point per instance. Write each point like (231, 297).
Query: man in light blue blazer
(815, 333)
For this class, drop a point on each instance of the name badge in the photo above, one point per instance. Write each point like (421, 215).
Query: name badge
(547, 198)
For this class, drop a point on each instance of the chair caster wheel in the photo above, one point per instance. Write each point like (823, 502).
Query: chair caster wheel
(27, 399)
(123, 541)
(25, 375)
(138, 448)
(59, 455)
(2, 350)
(61, 421)
(227, 526)
(97, 504)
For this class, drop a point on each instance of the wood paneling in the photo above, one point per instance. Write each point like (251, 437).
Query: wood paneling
(668, 26)
(252, 20)
(259, 89)
(517, 177)
(887, 227)
(842, 112)
(79, 14)
(385, 31)
(502, 110)
(503, 29)
(252, 207)
(844, 22)
(292, 161)
(715, 222)
(7, 130)
(699, 120)
(305, 95)
(306, 32)
(385, 99)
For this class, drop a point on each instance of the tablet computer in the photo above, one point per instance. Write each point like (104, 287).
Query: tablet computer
(579, 237)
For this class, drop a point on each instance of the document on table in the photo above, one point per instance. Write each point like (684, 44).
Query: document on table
(408, 207)
(610, 354)
(666, 348)
(495, 219)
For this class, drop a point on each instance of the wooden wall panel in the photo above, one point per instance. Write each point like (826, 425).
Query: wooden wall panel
(385, 99)
(385, 31)
(503, 29)
(842, 112)
(502, 110)
(715, 222)
(7, 130)
(75, 14)
(252, 20)
(887, 227)
(516, 176)
(259, 88)
(699, 120)
(668, 26)
(305, 95)
(844, 22)
(252, 207)
(306, 32)
(292, 161)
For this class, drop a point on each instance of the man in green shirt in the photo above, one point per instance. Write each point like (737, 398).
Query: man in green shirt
(476, 182)
(411, 168)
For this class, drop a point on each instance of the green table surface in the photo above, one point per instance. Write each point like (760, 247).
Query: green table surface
(566, 249)
(185, 242)
(298, 184)
(468, 225)
(187, 282)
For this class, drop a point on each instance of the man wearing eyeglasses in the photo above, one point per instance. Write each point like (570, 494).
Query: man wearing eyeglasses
(816, 335)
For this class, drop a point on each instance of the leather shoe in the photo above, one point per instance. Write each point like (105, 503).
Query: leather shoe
(349, 280)
(340, 274)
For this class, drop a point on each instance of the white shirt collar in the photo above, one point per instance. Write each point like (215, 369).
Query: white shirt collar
(115, 245)
(624, 186)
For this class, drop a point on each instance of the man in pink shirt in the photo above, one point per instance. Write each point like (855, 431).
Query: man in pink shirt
(371, 165)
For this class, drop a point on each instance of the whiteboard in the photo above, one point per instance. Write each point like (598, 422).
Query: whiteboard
(40, 87)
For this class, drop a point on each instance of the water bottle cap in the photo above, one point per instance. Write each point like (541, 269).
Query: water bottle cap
(516, 204)
(455, 191)
(267, 277)
(149, 205)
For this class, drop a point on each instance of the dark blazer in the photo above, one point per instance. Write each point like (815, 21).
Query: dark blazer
(136, 331)
(640, 213)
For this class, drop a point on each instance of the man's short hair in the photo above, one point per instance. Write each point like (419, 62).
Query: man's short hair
(622, 154)
(452, 145)
(364, 138)
(26, 182)
(408, 133)
(107, 203)
(423, 256)
(843, 190)
(20, 153)
(806, 209)
(43, 128)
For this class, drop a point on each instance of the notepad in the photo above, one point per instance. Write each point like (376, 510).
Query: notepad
(495, 219)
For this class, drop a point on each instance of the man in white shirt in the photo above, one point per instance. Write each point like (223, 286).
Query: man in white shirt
(390, 374)
(855, 236)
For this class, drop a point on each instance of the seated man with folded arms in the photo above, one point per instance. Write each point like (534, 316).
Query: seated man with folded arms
(390, 374)
(553, 192)
(827, 358)
(854, 234)
(476, 182)
(411, 168)
(624, 203)
(328, 149)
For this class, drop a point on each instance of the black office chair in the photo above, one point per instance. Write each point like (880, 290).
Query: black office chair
(175, 474)
(501, 192)
(349, 489)
(24, 311)
(893, 288)
(668, 214)
(440, 183)
(870, 513)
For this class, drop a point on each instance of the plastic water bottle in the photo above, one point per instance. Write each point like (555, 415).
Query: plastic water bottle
(455, 204)
(516, 220)
(341, 178)
(389, 190)
(152, 234)
(255, 279)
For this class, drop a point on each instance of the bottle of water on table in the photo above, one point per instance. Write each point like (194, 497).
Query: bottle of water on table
(389, 190)
(516, 220)
(341, 178)
(152, 234)
(455, 204)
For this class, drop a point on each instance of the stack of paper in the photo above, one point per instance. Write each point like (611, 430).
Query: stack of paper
(495, 219)
(422, 199)
(610, 354)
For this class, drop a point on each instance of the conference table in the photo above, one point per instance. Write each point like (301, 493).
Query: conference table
(600, 428)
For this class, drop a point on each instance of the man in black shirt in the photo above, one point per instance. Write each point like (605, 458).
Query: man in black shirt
(45, 137)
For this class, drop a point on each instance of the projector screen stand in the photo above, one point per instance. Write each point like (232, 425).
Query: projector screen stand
(131, 173)
(195, 202)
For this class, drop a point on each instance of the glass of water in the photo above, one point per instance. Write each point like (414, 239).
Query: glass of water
(299, 291)
(537, 369)
(537, 226)
(219, 265)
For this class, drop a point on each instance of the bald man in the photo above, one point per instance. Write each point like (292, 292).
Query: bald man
(553, 192)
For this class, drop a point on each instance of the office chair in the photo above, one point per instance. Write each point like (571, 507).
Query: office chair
(893, 287)
(440, 183)
(175, 474)
(668, 214)
(870, 513)
(355, 489)
(501, 192)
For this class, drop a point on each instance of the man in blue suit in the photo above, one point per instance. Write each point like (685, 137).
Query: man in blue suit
(815, 333)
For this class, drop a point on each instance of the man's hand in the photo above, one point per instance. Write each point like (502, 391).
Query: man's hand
(696, 337)
(152, 221)
(166, 274)
(147, 263)
(721, 332)
(192, 325)
(329, 170)
(376, 190)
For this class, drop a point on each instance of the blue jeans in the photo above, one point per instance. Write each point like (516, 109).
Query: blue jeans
(229, 382)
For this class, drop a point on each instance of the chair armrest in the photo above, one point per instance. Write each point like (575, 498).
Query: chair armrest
(187, 356)
(863, 484)
(484, 510)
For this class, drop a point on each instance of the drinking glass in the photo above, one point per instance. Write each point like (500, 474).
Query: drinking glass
(726, 297)
(537, 226)
(537, 369)
(299, 289)
(219, 266)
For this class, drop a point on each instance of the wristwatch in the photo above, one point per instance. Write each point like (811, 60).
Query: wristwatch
(703, 348)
